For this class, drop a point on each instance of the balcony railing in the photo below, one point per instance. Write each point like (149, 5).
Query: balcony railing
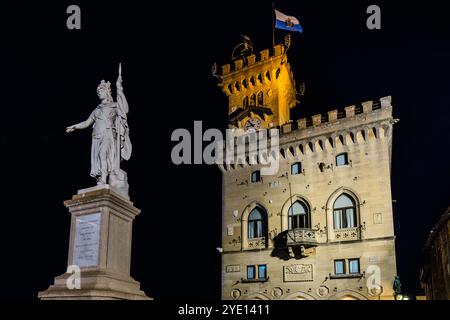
(347, 234)
(301, 236)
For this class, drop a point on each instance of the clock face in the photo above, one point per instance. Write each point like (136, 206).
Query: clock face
(253, 124)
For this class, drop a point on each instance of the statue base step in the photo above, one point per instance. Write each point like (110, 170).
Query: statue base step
(95, 285)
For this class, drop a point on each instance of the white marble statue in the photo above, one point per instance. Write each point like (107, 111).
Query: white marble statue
(110, 138)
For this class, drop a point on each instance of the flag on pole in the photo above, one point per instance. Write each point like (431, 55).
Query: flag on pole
(285, 22)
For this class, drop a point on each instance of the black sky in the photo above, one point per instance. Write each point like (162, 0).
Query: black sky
(48, 78)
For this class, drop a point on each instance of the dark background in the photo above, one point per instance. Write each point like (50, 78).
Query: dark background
(48, 80)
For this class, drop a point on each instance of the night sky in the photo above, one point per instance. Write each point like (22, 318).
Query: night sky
(48, 80)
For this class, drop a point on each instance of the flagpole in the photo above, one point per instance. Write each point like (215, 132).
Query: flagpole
(273, 24)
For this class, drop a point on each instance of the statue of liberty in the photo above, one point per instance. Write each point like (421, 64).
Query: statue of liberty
(110, 137)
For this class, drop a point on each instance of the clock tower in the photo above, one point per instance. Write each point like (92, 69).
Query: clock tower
(260, 88)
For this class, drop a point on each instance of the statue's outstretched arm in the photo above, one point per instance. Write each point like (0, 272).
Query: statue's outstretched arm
(82, 125)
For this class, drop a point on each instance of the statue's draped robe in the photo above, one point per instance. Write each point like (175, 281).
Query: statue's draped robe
(110, 120)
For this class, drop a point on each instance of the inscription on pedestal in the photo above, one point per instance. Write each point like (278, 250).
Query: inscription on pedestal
(87, 240)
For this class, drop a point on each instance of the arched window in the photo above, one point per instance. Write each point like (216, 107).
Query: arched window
(245, 102)
(256, 223)
(253, 100)
(298, 215)
(344, 212)
(260, 98)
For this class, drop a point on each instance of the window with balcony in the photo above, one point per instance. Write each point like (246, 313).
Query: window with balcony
(344, 212)
(342, 159)
(296, 168)
(298, 215)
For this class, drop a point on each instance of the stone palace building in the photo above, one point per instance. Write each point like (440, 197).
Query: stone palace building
(322, 227)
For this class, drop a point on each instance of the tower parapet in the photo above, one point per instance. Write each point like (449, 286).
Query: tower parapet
(260, 89)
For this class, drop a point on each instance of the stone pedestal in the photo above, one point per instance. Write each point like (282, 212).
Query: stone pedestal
(100, 245)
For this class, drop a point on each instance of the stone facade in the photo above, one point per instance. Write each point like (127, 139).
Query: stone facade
(435, 277)
(345, 153)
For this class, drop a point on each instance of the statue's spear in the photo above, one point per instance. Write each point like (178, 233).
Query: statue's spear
(118, 155)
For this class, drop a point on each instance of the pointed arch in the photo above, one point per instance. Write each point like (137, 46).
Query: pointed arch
(257, 296)
(246, 217)
(330, 208)
(286, 208)
(348, 295)
(245, 102)
(260, 99)
(299, 295)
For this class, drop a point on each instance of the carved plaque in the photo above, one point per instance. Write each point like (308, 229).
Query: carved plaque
(234, 268)
(87, 240)
(377, 218)
(298, 272)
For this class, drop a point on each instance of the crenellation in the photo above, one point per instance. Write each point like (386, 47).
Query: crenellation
(386, 102)
(350, 111)
(316, 120)
(238, 64)
(251, 59)
(367, 106)
(264, 54)
(225, 69)
(332, 115)
(301, 123)
(352, 130)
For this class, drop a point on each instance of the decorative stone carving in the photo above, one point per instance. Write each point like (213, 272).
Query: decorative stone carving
(298, 272)
(277, 292)
(322, 291)
(346, 234)
(235, 293)
(258, 243)
(375, 290)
